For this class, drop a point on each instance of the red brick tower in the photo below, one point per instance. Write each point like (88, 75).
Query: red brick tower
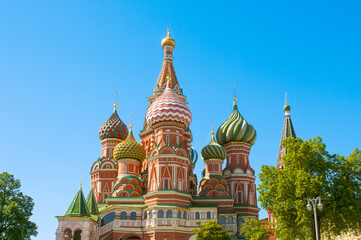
(237, 136)
(104, 170)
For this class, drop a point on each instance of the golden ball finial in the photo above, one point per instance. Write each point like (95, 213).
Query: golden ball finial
(168, 40)
(115, 107)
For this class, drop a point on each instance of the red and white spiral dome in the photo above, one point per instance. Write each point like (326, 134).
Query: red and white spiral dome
(168, 107)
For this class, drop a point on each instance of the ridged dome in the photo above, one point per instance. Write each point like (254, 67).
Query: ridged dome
(168, 107)
(168, 40)
(113, 128)
(236, 129)
(129, 148)
(213, 150)
(194, 156)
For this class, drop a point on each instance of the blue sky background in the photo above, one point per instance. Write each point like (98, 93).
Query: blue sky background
(61, 62)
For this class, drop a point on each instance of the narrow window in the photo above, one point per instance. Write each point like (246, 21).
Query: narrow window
(110, 153)
(145, 215)
(177, 140)
(222, 220)
(197, 215)
(214, 194)
(185, 215)
(239, 197)
(208, 215)
(123, 216)
(229, 160)
(230, 220)
(180, 185)
(133, 216)
(77, 235)
(237, 159)
(151, 214)
(127, 168)
(169, 214)
(160, 214)
(166, 184)
(213, 167)
(167, 143)
(179, 215)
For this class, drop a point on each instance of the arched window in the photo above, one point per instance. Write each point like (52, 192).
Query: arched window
(107, 219)
(145, 215)
(222, 220)
(214, 194)
(67, 234)
(77, 235)
(185, 215)
(197, 215)
(160, 214)
(230, 220)
(166, 184)
(208, 215)
(150, 215)
(179, 215)
(240, 195)
(133, 216)
(169, 214)
(123, 216)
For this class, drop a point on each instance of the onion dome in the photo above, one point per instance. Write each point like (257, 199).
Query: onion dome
(287, 107)
(236, 129)
(168, 107)
(113, 127)
(194, 156)
(129, 148)
(168, 40)
(213, 150)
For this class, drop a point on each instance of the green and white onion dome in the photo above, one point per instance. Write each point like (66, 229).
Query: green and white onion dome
(213, 150)
(236, 129)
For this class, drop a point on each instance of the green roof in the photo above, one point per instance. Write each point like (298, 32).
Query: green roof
(78, 207)
(91, 203)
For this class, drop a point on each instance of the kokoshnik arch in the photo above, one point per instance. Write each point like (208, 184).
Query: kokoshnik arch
(148, 190)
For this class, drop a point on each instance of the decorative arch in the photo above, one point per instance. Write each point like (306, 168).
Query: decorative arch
(67, 234)
(166, 150)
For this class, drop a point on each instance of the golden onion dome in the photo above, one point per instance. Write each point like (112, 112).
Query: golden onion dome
(168, 40)
(129, 148)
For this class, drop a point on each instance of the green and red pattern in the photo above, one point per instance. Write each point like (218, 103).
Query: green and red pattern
(214, 186)
(113, 128)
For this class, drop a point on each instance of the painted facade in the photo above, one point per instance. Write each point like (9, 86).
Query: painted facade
(148, 190)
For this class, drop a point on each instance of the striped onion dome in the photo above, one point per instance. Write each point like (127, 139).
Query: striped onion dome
(213, 150)
(236, 129)
(168, 107)
(194, 156)
(129, 148)
(113, 128)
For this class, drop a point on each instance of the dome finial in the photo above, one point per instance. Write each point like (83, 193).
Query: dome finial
(235, 98)
(168, 40)
(131, 123)
(81, 183)
(286, 108)
(115, 103)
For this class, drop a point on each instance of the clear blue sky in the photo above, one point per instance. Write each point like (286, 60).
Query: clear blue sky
(61, 62)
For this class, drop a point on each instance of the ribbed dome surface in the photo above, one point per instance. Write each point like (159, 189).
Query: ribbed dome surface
(194, 156)
(213, 151)
(236, 129)
(113, 128)
(129, 148)
(168, 107)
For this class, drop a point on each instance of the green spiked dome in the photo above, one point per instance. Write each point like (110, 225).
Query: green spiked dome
(129, 148)
(213, 150)
(236, 129)
(91, 203)
(78, 207)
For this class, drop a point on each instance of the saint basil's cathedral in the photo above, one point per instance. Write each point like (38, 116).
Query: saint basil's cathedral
(148, 190)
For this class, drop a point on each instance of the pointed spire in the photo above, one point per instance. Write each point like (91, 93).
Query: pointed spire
(92, 203)
(287, 131)
(168, 45)
(78, 207)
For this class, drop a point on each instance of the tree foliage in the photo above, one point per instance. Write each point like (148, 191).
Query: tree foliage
(210, 230)
(253, 229)
(16, 209)
(310, 171)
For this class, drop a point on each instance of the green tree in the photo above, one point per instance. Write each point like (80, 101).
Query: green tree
(16, 209)
(254, 229)
(310, 171)
(210, 230)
